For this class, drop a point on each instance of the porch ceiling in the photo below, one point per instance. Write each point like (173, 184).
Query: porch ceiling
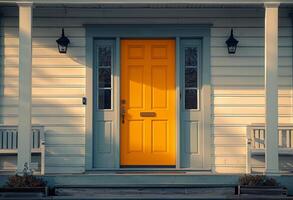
(155, 3)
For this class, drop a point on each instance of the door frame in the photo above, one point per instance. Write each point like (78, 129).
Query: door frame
(160, 31)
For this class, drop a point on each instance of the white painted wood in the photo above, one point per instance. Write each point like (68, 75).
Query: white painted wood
(42, 149)
(117, 90)
(25, 86)
(178, 103)
(105, 125)
(271, 87)
(249, 143)
(192, 142)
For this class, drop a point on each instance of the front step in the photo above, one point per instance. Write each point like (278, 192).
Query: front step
(145, 192)
(144, 186)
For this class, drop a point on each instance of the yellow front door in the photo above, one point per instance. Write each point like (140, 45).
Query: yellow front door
(148, 107)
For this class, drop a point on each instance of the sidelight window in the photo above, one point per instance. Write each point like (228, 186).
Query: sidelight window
(191, 79)
(104, 76)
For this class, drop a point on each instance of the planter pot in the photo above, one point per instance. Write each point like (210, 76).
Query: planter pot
(23, 192)
(262, 190)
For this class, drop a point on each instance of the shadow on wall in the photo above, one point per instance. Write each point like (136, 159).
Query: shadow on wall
(58, 88)
(2, 45)
(234, 108)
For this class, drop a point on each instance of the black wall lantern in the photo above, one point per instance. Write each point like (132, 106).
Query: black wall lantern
(63, 42)
(231, 43)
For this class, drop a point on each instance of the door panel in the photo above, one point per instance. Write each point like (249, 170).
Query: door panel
(104, 138)
(159, 136)
(148, 101)
(135, 136)
(136, 86)
(159, 87)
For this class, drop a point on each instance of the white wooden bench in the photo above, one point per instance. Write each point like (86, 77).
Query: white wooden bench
(256, 141)
(9, 142)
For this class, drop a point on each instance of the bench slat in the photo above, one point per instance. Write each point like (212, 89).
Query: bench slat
(257, 138)
(9, 141)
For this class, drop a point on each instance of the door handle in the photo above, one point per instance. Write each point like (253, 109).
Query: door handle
(123, 112)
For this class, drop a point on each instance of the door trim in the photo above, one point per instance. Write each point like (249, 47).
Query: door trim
(176, 31)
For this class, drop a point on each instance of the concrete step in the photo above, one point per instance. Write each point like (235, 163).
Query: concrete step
(145, 192)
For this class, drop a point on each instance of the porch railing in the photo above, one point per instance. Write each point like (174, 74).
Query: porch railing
(256, 141)
(9, 141)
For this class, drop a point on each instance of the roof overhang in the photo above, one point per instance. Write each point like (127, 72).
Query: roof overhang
(152, 2)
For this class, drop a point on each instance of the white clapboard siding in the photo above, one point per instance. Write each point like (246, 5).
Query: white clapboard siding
(222, 139)
(46, 111)
(250, 42)
(253, 71)
(65, 130)
(229, 130)
(233, 160)
(41, 42)
(57, 72)
(248, 52)
(65, 150)
(59, 80)
(45, 52)
(247, 110)
(57, 61)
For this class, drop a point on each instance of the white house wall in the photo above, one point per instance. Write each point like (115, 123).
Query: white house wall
(59, 80)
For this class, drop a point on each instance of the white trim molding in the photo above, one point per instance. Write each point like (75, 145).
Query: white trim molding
(272, 5)
(24, 3)
(117, 31)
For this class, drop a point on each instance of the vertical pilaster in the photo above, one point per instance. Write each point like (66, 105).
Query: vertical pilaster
(271, 88)
(25, 86)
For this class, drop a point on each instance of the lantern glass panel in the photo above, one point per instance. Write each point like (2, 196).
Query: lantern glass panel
(232, 49)
(62, 49)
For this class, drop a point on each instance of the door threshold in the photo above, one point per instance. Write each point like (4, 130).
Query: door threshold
(147, 166)
(148, 171)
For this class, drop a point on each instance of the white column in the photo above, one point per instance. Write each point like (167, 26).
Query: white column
(25, 86)
(271, 88)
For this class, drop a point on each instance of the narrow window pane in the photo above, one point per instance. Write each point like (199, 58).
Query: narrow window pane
(190, 56)
(105, 99)
(191, 99)
(105, 77)
(190, 77)
(104, 56)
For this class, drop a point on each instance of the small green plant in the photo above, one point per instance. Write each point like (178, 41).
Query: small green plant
(257, 180)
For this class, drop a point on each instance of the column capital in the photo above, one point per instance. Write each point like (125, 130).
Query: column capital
(24, 3)
(271, 5)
